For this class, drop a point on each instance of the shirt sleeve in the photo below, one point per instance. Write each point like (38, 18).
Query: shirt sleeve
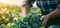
(29, 2)
(58, 6)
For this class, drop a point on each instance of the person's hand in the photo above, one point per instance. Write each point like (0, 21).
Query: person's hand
(25, 10)
(44, 20)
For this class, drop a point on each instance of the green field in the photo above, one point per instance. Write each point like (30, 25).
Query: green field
(14, 13)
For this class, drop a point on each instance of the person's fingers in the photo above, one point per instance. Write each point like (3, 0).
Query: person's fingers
(42, 18)
(44, 23)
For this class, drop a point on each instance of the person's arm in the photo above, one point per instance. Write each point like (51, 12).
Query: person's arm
(52, 15)
(25, 8)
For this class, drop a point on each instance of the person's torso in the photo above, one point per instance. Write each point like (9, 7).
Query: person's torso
(47, 5)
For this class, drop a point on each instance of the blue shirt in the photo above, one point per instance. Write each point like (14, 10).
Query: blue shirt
(45, 5)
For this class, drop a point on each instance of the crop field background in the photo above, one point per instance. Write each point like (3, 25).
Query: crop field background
(10, 16)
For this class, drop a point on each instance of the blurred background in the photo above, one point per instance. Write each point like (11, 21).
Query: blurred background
(10, 13)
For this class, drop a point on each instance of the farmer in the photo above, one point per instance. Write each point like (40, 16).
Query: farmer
(49, 8)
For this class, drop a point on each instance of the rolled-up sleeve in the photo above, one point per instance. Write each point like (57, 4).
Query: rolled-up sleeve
(29, 2)
(58, 6)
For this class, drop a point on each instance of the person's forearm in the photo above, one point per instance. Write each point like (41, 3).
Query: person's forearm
(53, 14)
(25, 9)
